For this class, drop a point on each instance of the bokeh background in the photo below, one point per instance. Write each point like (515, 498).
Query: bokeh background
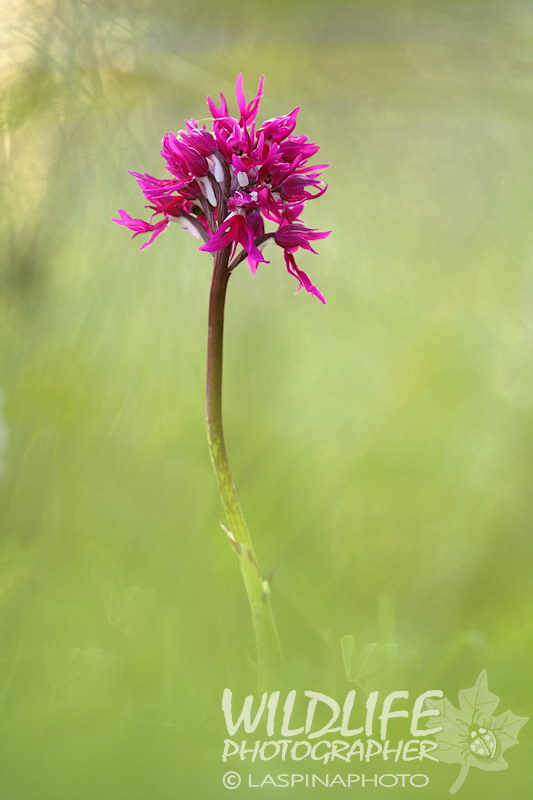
(381, 444)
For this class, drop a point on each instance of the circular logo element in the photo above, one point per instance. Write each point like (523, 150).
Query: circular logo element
(231, 780)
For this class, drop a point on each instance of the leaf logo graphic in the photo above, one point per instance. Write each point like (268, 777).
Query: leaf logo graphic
(472, 735)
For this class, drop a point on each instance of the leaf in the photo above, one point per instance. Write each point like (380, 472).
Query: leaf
(511, 725)
(347, 650)
(508, 726)
(450, 739)
(378, 666)
(476, 709)
(479, 698)
(118, 605)
(369, 661)
(67, 667)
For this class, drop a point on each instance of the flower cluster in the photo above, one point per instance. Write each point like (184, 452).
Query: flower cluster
(228, 182)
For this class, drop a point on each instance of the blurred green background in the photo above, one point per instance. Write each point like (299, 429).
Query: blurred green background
(381, 445)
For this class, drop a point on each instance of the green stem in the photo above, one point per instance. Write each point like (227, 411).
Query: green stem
(269, 654)
(459, 780)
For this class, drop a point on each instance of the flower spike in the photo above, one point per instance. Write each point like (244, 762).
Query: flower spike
(226, 183)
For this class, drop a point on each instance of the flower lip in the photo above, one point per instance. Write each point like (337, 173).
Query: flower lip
(303, 278)
(296, 235)
(234, 230)
(141, 226)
